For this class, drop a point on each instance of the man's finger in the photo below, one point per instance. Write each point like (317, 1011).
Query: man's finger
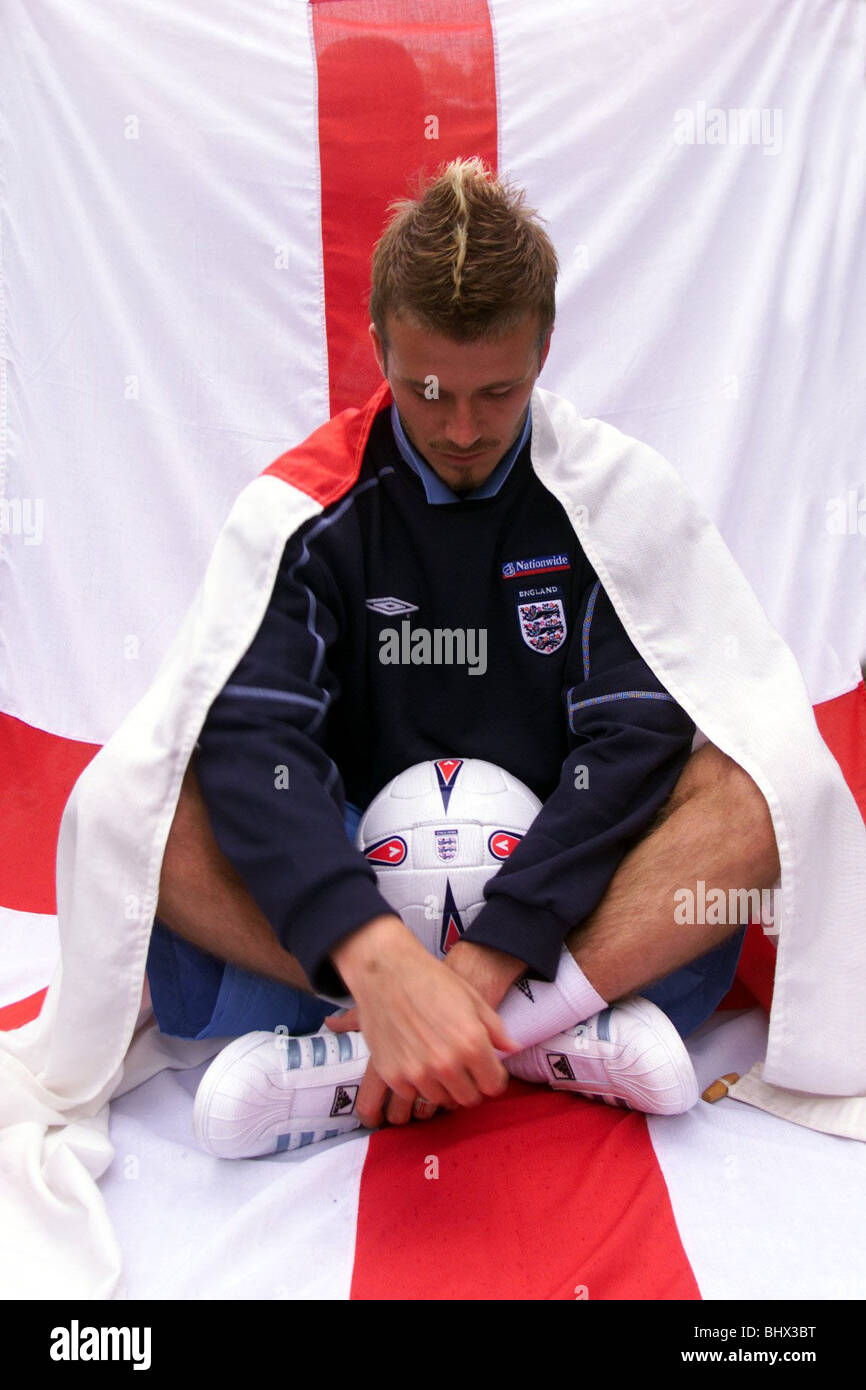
(371, 1098)
(344, 1023)
(398, 1111)
(499, 1036)
(454, 1082)
(486, 1071)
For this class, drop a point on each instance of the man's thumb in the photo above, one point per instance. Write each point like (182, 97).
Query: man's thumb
(500, 1038)
(344, 1023)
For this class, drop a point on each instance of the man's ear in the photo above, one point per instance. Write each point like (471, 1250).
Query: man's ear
(379, 349)
(545, 351)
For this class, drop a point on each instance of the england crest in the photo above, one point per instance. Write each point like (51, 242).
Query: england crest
(446, 844)
(542, 624)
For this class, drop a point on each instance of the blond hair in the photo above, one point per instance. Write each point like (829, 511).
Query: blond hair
(465, 258)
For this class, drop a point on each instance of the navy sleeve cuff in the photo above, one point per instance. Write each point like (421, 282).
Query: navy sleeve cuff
(532, 934)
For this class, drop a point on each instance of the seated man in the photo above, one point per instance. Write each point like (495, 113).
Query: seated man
(266, 909)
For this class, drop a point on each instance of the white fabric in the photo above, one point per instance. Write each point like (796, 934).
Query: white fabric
(845, 1117)
(712, 302)
(712, 296)
(192, 1226)
(678, 592)
(681, 598)
(764, 1211)
(284, 1227)
(163, 317)
(64, 1066)
(29, 953)
(712, 299)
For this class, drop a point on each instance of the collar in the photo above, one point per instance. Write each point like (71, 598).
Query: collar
(439, 492)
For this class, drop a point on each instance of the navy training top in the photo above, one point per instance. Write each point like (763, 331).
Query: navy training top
(560, 688)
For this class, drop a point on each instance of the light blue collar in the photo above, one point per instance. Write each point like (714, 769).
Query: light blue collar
(439, 492)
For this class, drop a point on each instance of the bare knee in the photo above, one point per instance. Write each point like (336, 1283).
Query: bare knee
(732, 799)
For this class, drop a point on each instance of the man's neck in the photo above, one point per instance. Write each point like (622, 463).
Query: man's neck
(437, 489)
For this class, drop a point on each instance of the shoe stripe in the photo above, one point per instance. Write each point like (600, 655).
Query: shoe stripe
(293, 1054)
(330, 1134)
(603, 1025)
(320, 1052)
(283, 1141)
(306, 1138)
(345, 1044)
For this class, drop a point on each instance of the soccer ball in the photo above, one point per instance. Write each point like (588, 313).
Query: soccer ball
(435, 834)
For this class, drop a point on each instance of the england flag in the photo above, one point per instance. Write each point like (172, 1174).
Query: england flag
(188, 210)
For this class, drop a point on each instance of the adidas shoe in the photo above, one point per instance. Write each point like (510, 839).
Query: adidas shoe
(268, 1092)
(629, 1055)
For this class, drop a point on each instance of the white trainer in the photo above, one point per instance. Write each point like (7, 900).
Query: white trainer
(268, 1092)
(629, 1055)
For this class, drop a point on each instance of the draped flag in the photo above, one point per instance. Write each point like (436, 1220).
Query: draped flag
(204, 309)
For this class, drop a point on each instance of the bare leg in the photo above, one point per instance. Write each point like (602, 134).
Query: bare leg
(716, 827)
(204, 899)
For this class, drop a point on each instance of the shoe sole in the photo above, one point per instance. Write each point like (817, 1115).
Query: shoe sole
(336, 1073)
(212, 1079)
(652, 1017)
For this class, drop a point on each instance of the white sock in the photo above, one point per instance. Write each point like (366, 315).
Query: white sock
(534, 1010)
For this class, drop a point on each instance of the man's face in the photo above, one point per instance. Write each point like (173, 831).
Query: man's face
(481, 396)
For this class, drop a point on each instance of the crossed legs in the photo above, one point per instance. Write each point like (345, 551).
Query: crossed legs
(716, 826)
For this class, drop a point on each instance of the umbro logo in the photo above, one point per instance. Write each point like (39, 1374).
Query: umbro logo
(344, 1100)
(560, 1066)
(390, 606)
(523, 986)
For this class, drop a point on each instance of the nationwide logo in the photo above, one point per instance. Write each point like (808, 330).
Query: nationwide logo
(390, 606)
(502, 843)
(344, 1100)
(536, 564)
(390, 851)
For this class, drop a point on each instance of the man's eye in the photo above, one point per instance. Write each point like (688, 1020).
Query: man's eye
(421, 395)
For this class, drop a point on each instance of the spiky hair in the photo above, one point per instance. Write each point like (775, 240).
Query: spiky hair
(464, 258)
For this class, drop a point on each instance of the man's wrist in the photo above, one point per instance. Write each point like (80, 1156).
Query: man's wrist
(363, 950)
(490, 971)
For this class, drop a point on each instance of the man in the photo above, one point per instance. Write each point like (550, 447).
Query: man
(444, 518)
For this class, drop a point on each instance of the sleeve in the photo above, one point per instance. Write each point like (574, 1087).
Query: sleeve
(274, 796)
(628, 742)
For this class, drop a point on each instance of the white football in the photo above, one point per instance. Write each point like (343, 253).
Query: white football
(435, 834)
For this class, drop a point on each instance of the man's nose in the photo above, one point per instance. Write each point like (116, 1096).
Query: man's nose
(461, 426)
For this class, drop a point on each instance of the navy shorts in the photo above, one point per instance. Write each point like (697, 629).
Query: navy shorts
(194, 995)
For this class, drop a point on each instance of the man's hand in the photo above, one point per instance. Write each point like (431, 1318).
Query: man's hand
(489, 971)
(430, 1032)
